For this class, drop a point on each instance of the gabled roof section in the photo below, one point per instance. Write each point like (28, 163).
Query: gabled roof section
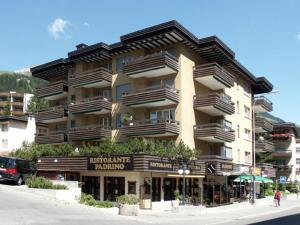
(97, 52)
(51, 69)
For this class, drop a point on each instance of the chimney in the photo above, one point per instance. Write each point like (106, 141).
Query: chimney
(80, 46)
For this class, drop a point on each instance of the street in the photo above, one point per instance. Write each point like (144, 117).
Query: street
(20, 208)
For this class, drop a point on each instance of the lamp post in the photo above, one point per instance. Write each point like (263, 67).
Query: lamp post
(254, 149)
(184, 171)
(11, 101)
(226, 174)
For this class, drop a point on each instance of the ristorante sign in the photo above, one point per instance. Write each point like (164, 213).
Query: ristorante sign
(160, 165)
(110, 163)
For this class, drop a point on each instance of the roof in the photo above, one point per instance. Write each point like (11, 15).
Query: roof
(285, 126)
(210, 48)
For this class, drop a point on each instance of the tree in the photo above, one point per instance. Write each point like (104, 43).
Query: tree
(35, 104)
(6, 109)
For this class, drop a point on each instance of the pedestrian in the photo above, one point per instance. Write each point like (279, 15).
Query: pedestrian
(277, 198)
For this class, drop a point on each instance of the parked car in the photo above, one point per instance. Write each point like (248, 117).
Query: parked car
(16, 170)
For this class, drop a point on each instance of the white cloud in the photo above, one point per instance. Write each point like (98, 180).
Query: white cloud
(86, 24)
(58, 27)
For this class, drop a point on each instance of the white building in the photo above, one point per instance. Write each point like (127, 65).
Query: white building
(14, 131)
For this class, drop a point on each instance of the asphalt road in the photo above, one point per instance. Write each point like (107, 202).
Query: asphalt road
(19, 208)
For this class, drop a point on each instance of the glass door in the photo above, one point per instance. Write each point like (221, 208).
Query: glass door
(113, 187)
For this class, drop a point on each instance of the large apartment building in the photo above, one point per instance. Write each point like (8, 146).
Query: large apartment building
(161, 83)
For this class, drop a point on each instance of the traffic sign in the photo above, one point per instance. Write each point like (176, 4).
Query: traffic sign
(282, 179)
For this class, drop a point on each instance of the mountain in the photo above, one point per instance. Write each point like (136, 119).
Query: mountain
(270, 117)
(19, 82)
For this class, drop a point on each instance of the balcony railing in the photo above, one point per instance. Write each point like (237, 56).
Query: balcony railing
(213, 76)
(152, 128)
(51, 137)
(53, 91)
(214, 132)
(264, 146)
(154, 65)
(89, 133)
(96, 78)
(94, 105)
(214, 104)
(153, 96)
(262, 104)
(263, 125)
(52, 114)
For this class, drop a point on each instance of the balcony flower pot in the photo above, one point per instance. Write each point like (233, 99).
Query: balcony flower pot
(128, 205)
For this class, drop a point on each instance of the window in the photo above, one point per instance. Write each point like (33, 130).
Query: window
(247, 134)
(120, 62)
(169, 83)
(247, 112)
(4, 143)
(105, 122)
(167, 115)
(238, 107)
(227, 125)
(4, 127)
(246, 90)
(73, 98)
(247, 157)
(120, 120)
(121, 89)
(227, 152)
(238, 131)
(73, 123)
(298, 149)
(60, 127)
(298, 161)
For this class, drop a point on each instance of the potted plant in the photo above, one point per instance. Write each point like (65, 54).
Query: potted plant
(177, 196)
(127, 119)
(128, 205)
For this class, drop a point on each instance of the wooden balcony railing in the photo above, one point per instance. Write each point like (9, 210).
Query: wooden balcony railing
(154, 128)
(100, 77)
(213, 76)
(98, 105)
(214, 104)
(262, 104)
(89, 133)
(263, 125)
(53, 90)
(154, 65)
(159, 95)
(52, 114)
(214, 132)
(51, 137)
(264, 146)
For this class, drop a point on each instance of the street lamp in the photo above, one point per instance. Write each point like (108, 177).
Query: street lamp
(253, 136)
(11, 101)
(184, 171)
(226, 174)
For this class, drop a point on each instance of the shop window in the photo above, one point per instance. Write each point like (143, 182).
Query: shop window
(132, 187)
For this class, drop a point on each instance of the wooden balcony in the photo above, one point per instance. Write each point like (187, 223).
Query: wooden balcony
(151, 128)
(214, 132)
(53, 91)
(52, 114)
(282, 151)
(149, 66)
(153, 96)
(96, 78)
(262, 125)
(264, 146)
(89, 133)
(51, 138)
(213, 76)
(214, 104)
(262, 104)
(95, 105)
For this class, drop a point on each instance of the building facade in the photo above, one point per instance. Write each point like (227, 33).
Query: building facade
(159, 83)
(14, 131)
(16, 103)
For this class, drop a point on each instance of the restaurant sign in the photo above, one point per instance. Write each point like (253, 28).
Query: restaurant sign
(110, 163)
(160, 165)
(226, 166)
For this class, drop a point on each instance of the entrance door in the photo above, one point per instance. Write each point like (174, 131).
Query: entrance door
(113, 187)
(169, 188)
(91, 185)
(156, 189)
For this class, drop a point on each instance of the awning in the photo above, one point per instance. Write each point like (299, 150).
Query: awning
(249, 179)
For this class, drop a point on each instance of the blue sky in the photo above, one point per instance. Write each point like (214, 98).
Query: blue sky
(265, 35)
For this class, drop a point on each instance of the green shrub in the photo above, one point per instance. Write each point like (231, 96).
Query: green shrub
(269, 192)
(89, 200)
(43, 183)
(128, 199)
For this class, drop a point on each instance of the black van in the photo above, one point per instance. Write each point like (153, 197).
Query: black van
(16, 170)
